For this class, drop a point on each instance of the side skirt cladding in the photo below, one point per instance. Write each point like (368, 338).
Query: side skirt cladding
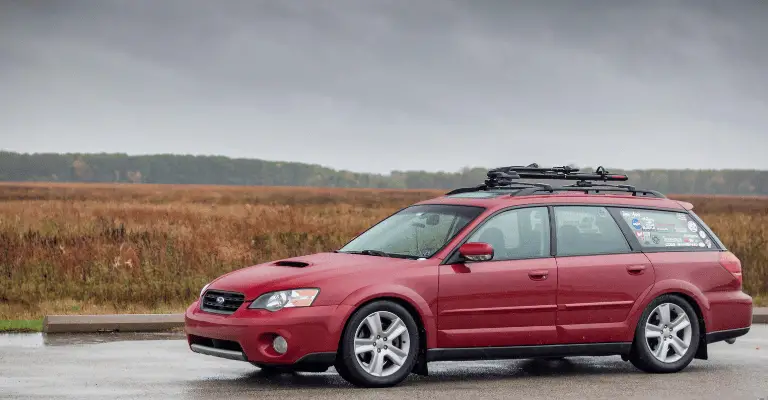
(514, 352)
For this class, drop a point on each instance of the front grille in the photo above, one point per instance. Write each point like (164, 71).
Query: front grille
(211, 301)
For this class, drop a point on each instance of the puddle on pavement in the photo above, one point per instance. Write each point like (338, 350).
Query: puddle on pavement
(21, 340)
(28, 340)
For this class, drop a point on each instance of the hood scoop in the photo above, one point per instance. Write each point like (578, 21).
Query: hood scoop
(290, 263)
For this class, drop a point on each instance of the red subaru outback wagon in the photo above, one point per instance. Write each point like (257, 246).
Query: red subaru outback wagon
(508, 269)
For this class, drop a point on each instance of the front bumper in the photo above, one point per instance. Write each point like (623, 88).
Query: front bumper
(312, 334)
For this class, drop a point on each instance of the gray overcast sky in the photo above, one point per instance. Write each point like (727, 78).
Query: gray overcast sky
(382, 85)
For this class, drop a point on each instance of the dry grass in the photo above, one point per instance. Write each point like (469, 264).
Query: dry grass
(103, 248)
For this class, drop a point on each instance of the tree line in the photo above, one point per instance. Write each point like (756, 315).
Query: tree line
(187, 169)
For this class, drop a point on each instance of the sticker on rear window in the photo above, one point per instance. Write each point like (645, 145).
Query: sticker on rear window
(692, 227)
(660, 229)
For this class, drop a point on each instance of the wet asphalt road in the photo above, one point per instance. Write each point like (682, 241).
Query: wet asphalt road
(110, 366)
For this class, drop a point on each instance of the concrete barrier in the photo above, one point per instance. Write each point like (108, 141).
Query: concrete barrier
(112, 323)
(163, 322)
(760, 315)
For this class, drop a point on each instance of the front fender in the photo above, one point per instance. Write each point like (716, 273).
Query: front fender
(368, 293)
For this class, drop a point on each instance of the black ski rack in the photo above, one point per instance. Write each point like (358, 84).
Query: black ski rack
(509, 178)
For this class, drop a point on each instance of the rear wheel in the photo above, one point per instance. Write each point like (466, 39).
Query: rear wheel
(379, 345)
(667, 336)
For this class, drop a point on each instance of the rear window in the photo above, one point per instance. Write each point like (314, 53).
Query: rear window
(665, 229)
(717, 243)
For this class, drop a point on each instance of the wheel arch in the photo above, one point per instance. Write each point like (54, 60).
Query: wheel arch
(403, 303)
(407, 298)
(690, 294)
(686, 290)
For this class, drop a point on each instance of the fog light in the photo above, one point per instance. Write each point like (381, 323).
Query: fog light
(280, 345)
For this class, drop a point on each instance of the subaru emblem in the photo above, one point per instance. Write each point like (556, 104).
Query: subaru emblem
(219, 300)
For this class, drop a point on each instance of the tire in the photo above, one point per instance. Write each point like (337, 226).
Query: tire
(375, 365)
(648, 351)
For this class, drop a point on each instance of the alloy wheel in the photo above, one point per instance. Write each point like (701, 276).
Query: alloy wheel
(382, 343)
(668, 332)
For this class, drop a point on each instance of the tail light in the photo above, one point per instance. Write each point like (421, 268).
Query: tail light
(732, 264)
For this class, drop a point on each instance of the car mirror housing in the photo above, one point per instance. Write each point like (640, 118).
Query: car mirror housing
(476, 251)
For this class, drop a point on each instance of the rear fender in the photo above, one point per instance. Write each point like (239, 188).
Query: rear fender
(692, 292)
(675, 286)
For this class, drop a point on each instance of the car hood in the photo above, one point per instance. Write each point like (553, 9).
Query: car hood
(299, 272)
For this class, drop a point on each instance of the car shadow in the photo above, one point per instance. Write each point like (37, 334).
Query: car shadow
(440, 372)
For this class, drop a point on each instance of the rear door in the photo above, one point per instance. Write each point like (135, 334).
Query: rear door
(600, 276)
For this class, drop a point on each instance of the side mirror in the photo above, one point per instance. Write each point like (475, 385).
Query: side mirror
(476, 251)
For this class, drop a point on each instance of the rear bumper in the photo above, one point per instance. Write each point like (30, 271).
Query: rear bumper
(312, 334)
(729, 311)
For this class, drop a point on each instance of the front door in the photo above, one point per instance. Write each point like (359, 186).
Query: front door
(600, 278)
(509, 300)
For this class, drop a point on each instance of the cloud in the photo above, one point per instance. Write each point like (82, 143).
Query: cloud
(381, 85)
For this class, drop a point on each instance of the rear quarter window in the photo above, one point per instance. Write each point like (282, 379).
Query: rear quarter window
(666, 229)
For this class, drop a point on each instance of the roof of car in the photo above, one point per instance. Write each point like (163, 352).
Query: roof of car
(570, 198)
(509, 186)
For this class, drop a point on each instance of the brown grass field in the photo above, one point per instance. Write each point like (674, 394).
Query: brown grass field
(112, 248)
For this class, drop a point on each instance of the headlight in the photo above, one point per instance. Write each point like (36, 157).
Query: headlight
(204, 287)
(285, 298)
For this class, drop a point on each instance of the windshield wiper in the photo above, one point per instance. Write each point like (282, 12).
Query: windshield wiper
(379, 253)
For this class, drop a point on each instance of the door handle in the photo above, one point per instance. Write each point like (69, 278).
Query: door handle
(636, 269)
(538, 275)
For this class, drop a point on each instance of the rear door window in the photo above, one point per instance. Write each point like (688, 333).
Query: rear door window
(585, 231)
(665, 229)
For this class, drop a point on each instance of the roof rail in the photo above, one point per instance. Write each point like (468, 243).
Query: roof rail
(509, 178)
(597, 190)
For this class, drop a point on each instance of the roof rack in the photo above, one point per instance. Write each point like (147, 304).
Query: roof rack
(508, 178)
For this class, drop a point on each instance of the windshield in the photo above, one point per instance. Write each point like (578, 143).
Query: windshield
(415, 232)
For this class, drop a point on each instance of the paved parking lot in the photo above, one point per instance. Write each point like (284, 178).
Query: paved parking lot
(155, 366)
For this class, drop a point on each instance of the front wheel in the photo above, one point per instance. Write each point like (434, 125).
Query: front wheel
(379, 345)
(666, 337)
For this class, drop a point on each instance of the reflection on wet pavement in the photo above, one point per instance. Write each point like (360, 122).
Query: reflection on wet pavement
(122, 365)
(63, 339)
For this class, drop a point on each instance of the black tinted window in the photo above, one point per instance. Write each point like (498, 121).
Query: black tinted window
(588, 230)
(663, 229)
(516, 234)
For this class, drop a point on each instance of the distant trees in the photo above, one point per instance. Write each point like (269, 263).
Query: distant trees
(186, 169)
